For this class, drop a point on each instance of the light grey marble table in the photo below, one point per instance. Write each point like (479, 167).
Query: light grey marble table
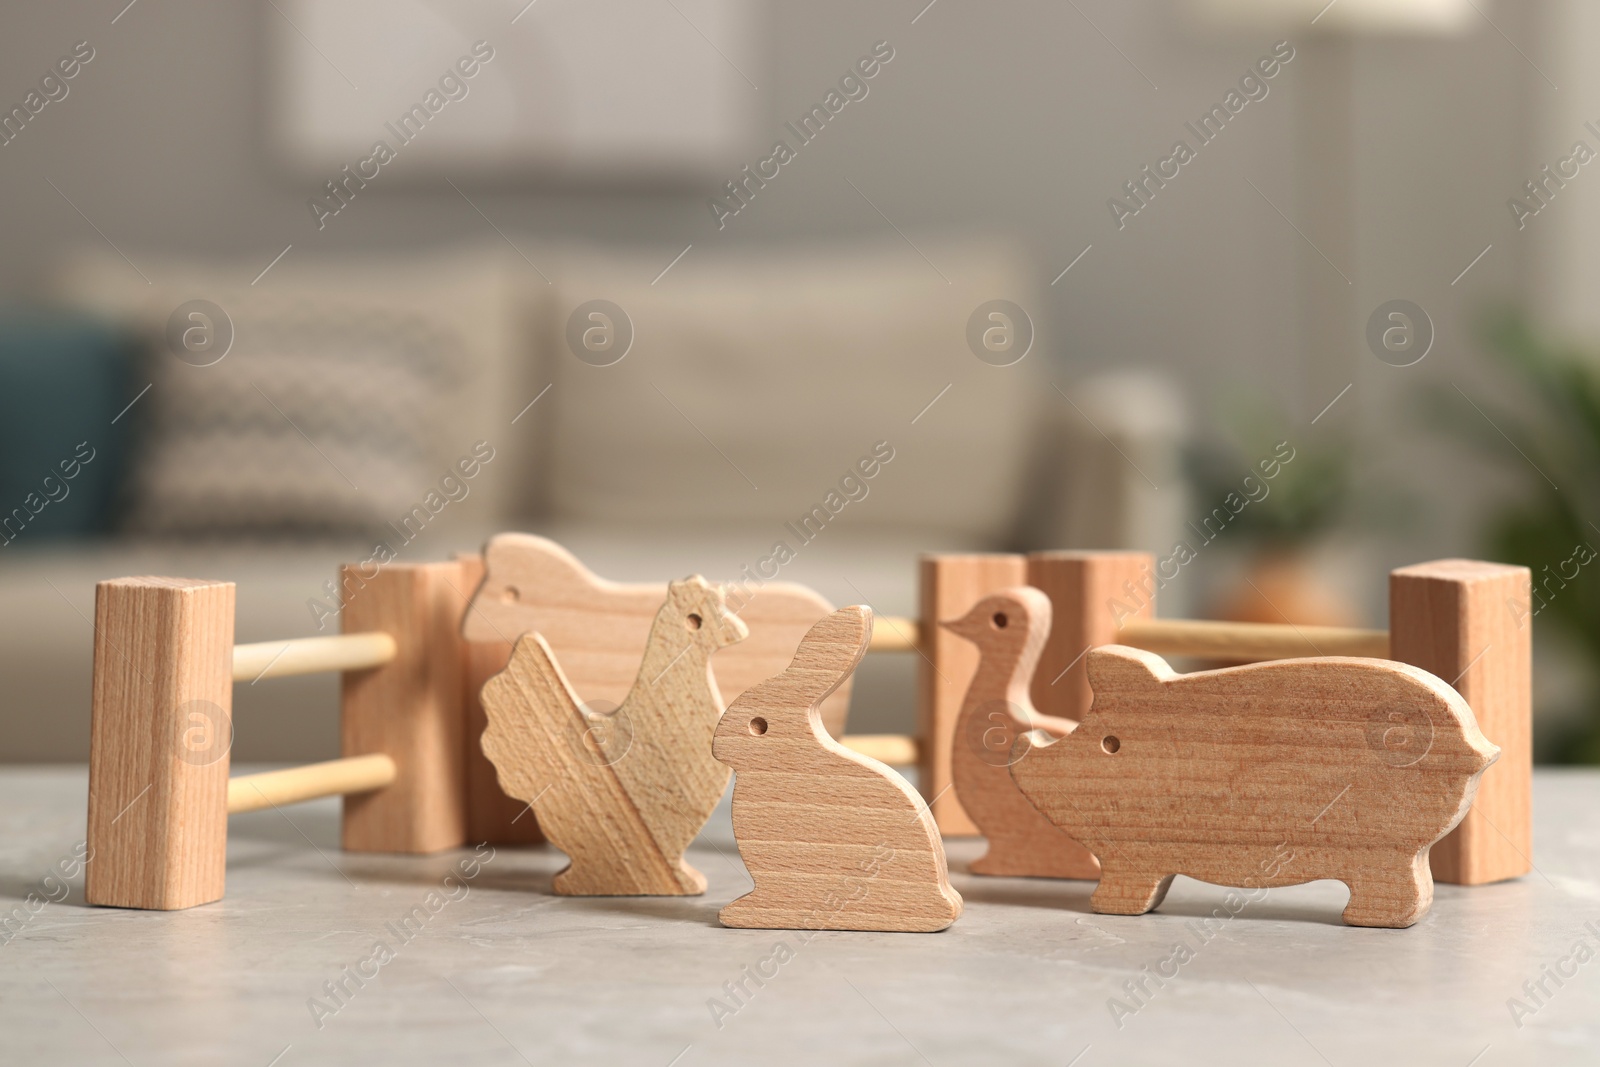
(492, 969)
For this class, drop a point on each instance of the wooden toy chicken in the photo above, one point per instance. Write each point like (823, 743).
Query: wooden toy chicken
(621, 794)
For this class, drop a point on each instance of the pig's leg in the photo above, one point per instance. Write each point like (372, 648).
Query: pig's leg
(1127, 890)
(1391, 894)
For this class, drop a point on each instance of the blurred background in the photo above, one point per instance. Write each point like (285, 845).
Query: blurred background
(669, 268)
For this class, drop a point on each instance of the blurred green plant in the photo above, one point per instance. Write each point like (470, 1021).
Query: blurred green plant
(1310, 497)
(1548, 429)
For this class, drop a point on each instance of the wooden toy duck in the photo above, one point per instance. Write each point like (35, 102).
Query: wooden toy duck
(622, 795)
(1010, 628)
(834, 840)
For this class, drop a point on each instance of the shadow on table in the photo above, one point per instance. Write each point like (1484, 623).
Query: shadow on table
(1054, 893)
(1323, 905)
(1074, 896)
(695, 910)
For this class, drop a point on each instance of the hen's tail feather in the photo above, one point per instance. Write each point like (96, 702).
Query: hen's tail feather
(533, 667)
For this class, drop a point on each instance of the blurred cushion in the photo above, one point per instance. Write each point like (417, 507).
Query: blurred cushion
(351, 388)
(756, 379)
(63, 383)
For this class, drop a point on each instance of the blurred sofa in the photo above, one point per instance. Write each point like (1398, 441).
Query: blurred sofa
(753, 383)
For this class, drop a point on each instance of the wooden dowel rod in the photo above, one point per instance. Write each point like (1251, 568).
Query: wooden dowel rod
(1250, 640)
(890, 633)
(355, 774)
(311, 655)
(1202, 638)
(896, 750)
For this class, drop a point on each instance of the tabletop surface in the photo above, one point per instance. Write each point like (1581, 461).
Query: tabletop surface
(468, 958)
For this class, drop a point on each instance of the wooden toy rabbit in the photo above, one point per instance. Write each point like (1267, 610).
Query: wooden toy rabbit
(834, 840)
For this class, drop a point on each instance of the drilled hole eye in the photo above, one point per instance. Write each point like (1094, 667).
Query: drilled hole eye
(693, 622)
(1000, 620)
(510, 595)
(758, 726)
(1110, 743)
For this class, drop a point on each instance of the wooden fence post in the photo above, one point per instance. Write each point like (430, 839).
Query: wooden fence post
(1468, 623)
(1091, 595)
(160, 731)
(410, 709)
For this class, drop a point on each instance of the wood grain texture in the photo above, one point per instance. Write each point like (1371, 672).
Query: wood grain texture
(598, 628)
(410, 709)
(1009, 629)
(1091, 595)
(492, 814)
(950, 585)
(160, 731)
(622, 794)
(1468, 622)
(833, 840)
(1265, 775)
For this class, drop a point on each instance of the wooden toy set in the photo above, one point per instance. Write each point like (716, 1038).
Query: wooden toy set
(516, 697)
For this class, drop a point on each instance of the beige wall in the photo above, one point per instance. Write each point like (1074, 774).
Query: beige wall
(1016, 118)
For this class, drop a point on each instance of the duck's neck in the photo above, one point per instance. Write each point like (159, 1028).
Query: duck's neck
(1009, 676)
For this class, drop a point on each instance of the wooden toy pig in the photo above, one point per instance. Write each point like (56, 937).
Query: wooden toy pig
(1265, 775)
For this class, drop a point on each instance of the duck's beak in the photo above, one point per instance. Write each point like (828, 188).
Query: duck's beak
(965, 626)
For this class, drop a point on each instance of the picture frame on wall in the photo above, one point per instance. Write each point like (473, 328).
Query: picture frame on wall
(430, 88)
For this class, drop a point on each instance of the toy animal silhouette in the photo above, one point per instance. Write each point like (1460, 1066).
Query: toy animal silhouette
(834, 840)
(1010, 628)
(599, 627)
(622, 795)
(1265, 775)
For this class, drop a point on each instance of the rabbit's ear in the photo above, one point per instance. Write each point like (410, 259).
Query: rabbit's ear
(827, 655)
(837, 643)
(1118, 667)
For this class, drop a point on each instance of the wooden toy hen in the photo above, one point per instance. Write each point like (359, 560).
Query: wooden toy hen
(834, 840)
(1010, 629)
(621, 794)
